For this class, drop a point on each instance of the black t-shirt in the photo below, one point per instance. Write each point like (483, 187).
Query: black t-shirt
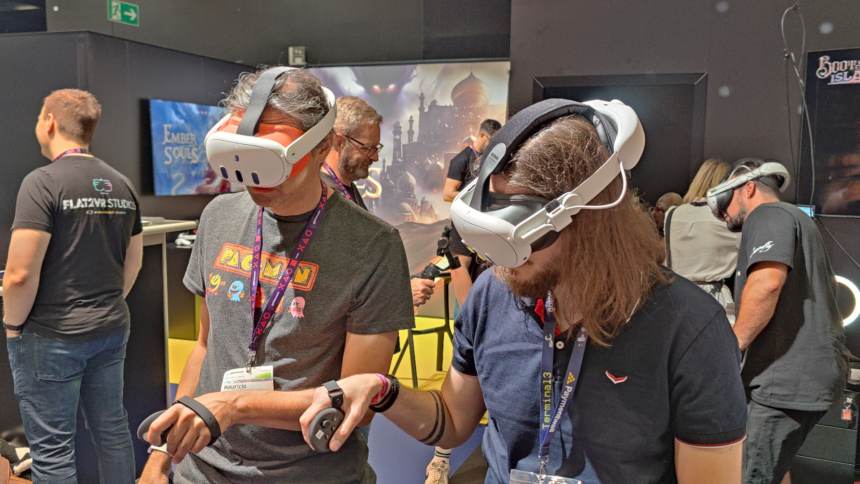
(460, 168)
(91, 212)
(352, 189)
(672, 373)
(799, 360)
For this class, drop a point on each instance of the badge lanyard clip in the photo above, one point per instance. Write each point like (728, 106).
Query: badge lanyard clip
(268, 311)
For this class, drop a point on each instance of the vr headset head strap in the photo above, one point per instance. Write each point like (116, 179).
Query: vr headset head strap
(259, 98)
(521, 127)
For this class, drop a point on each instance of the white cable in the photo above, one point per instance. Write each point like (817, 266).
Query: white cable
(613, 204)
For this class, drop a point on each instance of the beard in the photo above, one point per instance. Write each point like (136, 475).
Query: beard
(736, 223)
(353, 165)
(535, 286)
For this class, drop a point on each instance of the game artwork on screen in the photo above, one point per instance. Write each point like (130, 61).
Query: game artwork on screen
(179, 162)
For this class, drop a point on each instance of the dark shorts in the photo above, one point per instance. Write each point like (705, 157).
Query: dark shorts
(457, 245)
(774, 436)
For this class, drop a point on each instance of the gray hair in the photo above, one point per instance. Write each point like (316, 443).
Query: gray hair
(298, 96)
(352, 113)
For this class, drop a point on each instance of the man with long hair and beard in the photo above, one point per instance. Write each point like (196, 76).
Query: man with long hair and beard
(658, 396)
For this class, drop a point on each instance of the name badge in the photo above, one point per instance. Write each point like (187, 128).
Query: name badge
(260, 378)
(522, 477)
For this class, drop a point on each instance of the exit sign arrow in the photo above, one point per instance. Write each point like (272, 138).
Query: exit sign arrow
(124, 13)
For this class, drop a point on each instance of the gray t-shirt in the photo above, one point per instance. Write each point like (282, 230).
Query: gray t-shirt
(353, 278)
(799, 360)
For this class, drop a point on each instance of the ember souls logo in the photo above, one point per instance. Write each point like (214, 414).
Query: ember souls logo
(839, 72)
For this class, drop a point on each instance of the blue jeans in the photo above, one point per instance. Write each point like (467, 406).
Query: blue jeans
(51, 379)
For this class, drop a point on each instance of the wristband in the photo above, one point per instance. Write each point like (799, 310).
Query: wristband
(389, 399)
(381, 395)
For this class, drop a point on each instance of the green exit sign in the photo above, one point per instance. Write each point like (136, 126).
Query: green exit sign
(124, 13)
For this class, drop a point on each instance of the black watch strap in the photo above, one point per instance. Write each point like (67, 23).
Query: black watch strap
(9, 327)
(335, 392)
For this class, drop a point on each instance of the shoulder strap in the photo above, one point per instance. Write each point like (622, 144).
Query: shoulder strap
(667, 225)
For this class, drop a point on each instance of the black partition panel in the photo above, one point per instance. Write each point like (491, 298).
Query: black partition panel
(671, 108)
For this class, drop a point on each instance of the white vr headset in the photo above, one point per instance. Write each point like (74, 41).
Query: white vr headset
(770, 173)
(506, 229)
(243, 153)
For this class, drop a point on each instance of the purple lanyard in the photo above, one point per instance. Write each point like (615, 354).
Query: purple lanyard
(70, 152)
(339, 183)
(286, 277)
(550, 422)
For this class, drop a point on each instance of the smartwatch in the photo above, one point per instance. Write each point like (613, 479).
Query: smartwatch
(335, 393)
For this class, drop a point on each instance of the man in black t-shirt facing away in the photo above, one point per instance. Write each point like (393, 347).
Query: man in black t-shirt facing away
(796, 363)
(75, 252)
(460, 174)
(356, 147)
(659, 396)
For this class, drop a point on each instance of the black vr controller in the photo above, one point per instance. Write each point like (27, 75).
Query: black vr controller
(325, 423)
(196, 407)
(443, 249)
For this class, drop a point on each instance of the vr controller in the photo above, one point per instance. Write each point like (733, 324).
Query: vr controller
(195, 406)
(443, 249)
(325, 424)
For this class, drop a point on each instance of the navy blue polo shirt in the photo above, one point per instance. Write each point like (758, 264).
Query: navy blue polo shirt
(672, 373)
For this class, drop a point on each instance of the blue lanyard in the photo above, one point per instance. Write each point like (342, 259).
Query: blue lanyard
(288, 275)
(551, 421)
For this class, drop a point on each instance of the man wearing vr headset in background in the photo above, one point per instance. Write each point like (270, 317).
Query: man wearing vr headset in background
(654, 397)
(345, 297)
(356, 147)
(796, 363)
(459, 176)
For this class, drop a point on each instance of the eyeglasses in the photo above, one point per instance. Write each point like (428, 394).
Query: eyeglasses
(368, 150)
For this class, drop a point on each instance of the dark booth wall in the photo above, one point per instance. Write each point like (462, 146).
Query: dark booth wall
(347, 32)
(737, 43)
(122, 75)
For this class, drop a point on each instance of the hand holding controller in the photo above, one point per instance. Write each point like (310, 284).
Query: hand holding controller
(325, 423)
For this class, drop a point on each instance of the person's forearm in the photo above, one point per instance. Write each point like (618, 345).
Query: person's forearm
(758, 304)
(19, 293)
(450, 196)
(424, 416)
(278, 410)
(159, 462)
(191, 374)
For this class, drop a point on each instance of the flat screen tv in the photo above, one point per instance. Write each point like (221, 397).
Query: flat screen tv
(833, 97)
(179, 162)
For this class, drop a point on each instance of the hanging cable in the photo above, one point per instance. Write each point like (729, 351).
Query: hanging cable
(789, 56)
(838, 244)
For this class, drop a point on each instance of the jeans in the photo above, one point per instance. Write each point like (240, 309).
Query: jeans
(51, 379)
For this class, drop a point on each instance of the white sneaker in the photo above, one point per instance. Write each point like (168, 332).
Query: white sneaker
(437, 472)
